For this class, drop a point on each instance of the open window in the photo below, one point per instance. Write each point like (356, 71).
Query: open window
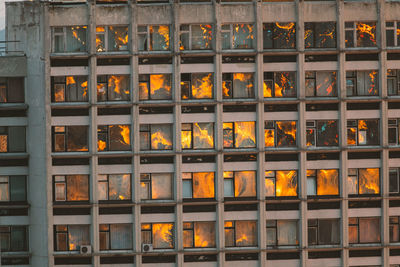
(156, 137)
(156, 186)
(114, 187)
(69, 39)
(322, 133)
(364, 230)
(363, 181)
(112, 38)
(155, 87)
(323, 232)
(282, 233)
(240, 134)
(281, 183)
(321, 84)
(238, 184)
(199, 234)
(113, 88)
(196, 37)
(160, 235)
(237, 85)
(279, 35)
(154, 37)
(12, 90)
(280, 133)
(280, 84)
(320, 34)
(113, 138)
(115, 236)
(240, 233)
(197, 86)
(237, 36)
(323, 182)
(362, 83)
(71, 188)
(198, 185)
(71, 237)
(14, 238)
(13, 188)
(360, 34)
(363, 132)
(197, 135)
(12, 139)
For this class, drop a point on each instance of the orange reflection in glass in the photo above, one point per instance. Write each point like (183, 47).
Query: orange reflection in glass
(286, 183)
(327, 183)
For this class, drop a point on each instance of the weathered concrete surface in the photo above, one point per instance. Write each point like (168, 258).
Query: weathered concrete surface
(12, 66)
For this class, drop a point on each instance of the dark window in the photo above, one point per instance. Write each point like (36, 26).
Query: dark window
(156, 186)
(320, 34)
(282, 233)
(323, 231)
(196, 37)
(280, 133)
(360, 34)
(364, 230)
(279, 84)
(70, 138)
(321, 83)
(156, 137)
(281, 183)
(240, 134)
(197, 185)
(114, 187)
(13, 238)
(394, 180)
(113, 138)
(362, 83)
(393, 81)
(12, 139)
(238, 184)
(392, 33)
(394, 138)
(69, 39)
(12, 90)
(237, 36)
(322, 133)
(279, 35)
(363, 181)
(237, 85)
(13, 188)
(362, 132)
(69, 89)
(197, 86)
(394, 230)
(240, 233)
(113, 88)
(199, 234)
(153, 38)
(155, 87)
(197, 135)
(115, 236)
(71, 188)
(160, 235)
(71, 237)
(112, 38)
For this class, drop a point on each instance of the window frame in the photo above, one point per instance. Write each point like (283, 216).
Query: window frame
(65, 134)
(64, 38)
(234, 130)
(192, 139)
(103, 81)
(6, 87)
(313, 129)
(315, 177)
(274, 127)
(233, 227)
(314, 78)
(317, 230)
(272, 28)
(396, 37)
(148, 39)
(149, 131)
(9, 235)
(233, 182)
(5, 133)
(106, 33)
(192, 230)
(273, 177)
(187, 81)
(276, 228)
(100, 179)
(150, 186)
(355, 76)
(106, 130)
(357, 177)
(54, 83)
(393, 77)
(146, 79)
(228, 79)
(273, 83)
(152, 234)
(312, 27)
(231, 36)
(189, 33)
(108, 234)
(352, 30)
(67, 233)
(185, 177)
(351, 125)
(65, 182)
(357, 224)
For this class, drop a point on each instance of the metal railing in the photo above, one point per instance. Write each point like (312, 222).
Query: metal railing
(4, 51)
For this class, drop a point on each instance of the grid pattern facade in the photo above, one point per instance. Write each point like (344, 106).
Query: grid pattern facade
(211, 134)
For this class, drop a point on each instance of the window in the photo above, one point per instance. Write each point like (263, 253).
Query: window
(320, 35)
(364, 230)
(197, 185)
(69, 39)
(155, 137)
(360, 34)
(362, 83)
(13, 238)
(154, 38)
(362, 132)
(321, 83)
(280, 133)
(161, 235)
(279, 35)
(115, 236)
(155, 87)
(112, 38)
(113, 88)
(281, 183)
(240, 233)
(394, 229)
(282, 233)
(69, 88)
(71, 188)
(70, 138)
(71, 237)
(199, 234)
(239, 184)
(197, 135)
(196, 37)
(113, 138)
(323, 182)
(237, 36)
(12, 90)
(363, 181)
(237, 85)
(156, 186)
(240, 134)
(394, 138)
(322, 133)
(197, 85)
(392, 33)
(279, 84)
(323, 231)
(394, 180)
(12, 139)
(114, 187)
(393, 81)
(12, 188)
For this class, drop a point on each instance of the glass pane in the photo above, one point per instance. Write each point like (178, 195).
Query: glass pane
(369, 230)
(393, 181)
(286, 183)
(60, 192)
(121, 236)
(77, 188)
(328, 182)
(270, 187)
(204, 234)
(286, 133)
(369, 181)
(119, 186)
(163, 236)
(76, 39)
(202, 85)
(201, 36)
(188, 238)
(118, 87)
(77, 138)
(311, 186)
(327, 133)
(159, 37)
(187, 188)
(245, 184)
(245, 136)
(366, 34)
(61, 239)
(243, 86)
(120, 137)
(78, 235)
(19, 238)
(228, 187)
(328, 232)
(229, 238)
(118, 38)
(203, 135)
(352, 185)
(102, 190)
(353, 234)
(271, 236)
(17, 139)
(287, 233)
(243, 36)
(326, 84)
(285, 84)
(246, 233)
(203, 185)
(161, 137)
(161, 186)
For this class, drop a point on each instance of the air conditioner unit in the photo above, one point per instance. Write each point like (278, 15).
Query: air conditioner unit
(86, 249)
(147, 247)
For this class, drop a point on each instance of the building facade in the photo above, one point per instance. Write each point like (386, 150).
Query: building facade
(200, 133)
